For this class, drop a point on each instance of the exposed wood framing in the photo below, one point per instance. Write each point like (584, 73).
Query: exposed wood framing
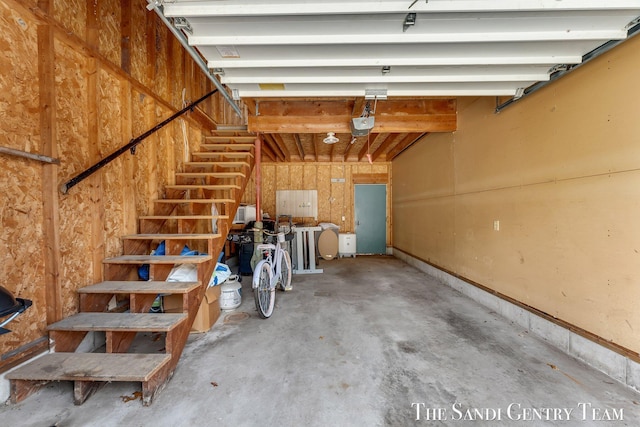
(390, 141)
(301, 153)
(51, 225)
(125, 36)
(367, 147)
(426, 115)
(406, 143)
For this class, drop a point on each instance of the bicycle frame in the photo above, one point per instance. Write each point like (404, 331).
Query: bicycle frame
(274, 269)
(274, 254)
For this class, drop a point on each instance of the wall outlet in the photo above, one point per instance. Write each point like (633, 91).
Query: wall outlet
(496, 225)
(343, 218)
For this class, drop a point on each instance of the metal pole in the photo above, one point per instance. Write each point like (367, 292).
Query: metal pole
(257, 234)
(258, 164)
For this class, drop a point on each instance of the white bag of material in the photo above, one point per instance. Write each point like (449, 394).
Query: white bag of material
(183, 273)
(220, 274)
(214, 221)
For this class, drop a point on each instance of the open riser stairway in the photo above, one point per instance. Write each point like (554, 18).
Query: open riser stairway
(119, 307)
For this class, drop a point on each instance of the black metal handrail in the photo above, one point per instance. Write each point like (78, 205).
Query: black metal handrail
(131, 146)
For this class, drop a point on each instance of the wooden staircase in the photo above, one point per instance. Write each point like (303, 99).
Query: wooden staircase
(217, 176)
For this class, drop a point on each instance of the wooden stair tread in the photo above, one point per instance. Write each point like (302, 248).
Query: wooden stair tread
(211, 174)
(221, 164)
(91, 367)
(231, 155)
(185, 217)
(194, 201)
(188, 236)
(230, 148)
(124, 322)
(158, 259)
(203, 186)
(139, 287)
(236, 139)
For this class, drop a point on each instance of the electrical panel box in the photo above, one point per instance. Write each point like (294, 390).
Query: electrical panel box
(297, 203)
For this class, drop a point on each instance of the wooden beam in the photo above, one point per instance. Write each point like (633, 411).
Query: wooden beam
(366, 148)
(151, 49)
(391, 141)
(292, 108)
(268, 138)
(341, 124)
(346, 150)
(51, 218)
(97, 208)
(370, 178)
(125, 36)
(406, 143)
(282, 147)
(316, 146)
(296, 138)
(394, 116)
(266, 149)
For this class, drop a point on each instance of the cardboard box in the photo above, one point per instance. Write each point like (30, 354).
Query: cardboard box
(208, 312)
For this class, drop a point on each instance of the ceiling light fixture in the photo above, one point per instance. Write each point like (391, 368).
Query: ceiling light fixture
(331, 138)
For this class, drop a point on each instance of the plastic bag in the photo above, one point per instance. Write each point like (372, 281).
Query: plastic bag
(183, 273)
(214, 221)
(143, 270)
(220, 274)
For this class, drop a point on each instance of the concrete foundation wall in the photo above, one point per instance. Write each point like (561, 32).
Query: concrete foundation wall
(539, 202)
(616, 366)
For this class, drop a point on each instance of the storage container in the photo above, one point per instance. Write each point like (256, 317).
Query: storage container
(231, 294)
(347, 244)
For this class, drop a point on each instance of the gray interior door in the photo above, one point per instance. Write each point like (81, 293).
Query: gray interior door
(371, 218)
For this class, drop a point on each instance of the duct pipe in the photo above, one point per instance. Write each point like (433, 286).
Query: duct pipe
(155, 5)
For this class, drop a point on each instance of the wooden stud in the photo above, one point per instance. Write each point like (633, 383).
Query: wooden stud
(66, 341)
(82, 390)
(46, 74)
(119, 342)
(125, 35)
(21, 389)
(406, 143)
(94, 302)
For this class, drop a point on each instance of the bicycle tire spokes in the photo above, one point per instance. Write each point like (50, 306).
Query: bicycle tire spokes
(264, 294)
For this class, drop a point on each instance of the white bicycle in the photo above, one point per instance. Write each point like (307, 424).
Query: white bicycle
(274, 270)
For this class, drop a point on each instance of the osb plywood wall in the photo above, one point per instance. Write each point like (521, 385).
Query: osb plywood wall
(81, 78)
(560, 172)
(335, 199)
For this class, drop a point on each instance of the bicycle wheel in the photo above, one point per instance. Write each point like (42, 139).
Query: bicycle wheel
(264, 296)
(285, 272)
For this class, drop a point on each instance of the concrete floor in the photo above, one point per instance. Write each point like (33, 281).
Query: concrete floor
(357, 346)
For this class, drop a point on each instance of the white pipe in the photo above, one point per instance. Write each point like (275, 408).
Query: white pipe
(155, 5)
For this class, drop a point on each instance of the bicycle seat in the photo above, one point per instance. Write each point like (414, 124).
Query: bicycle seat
(262, 246)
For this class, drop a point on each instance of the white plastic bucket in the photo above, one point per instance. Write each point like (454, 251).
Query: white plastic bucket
(230, 294)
